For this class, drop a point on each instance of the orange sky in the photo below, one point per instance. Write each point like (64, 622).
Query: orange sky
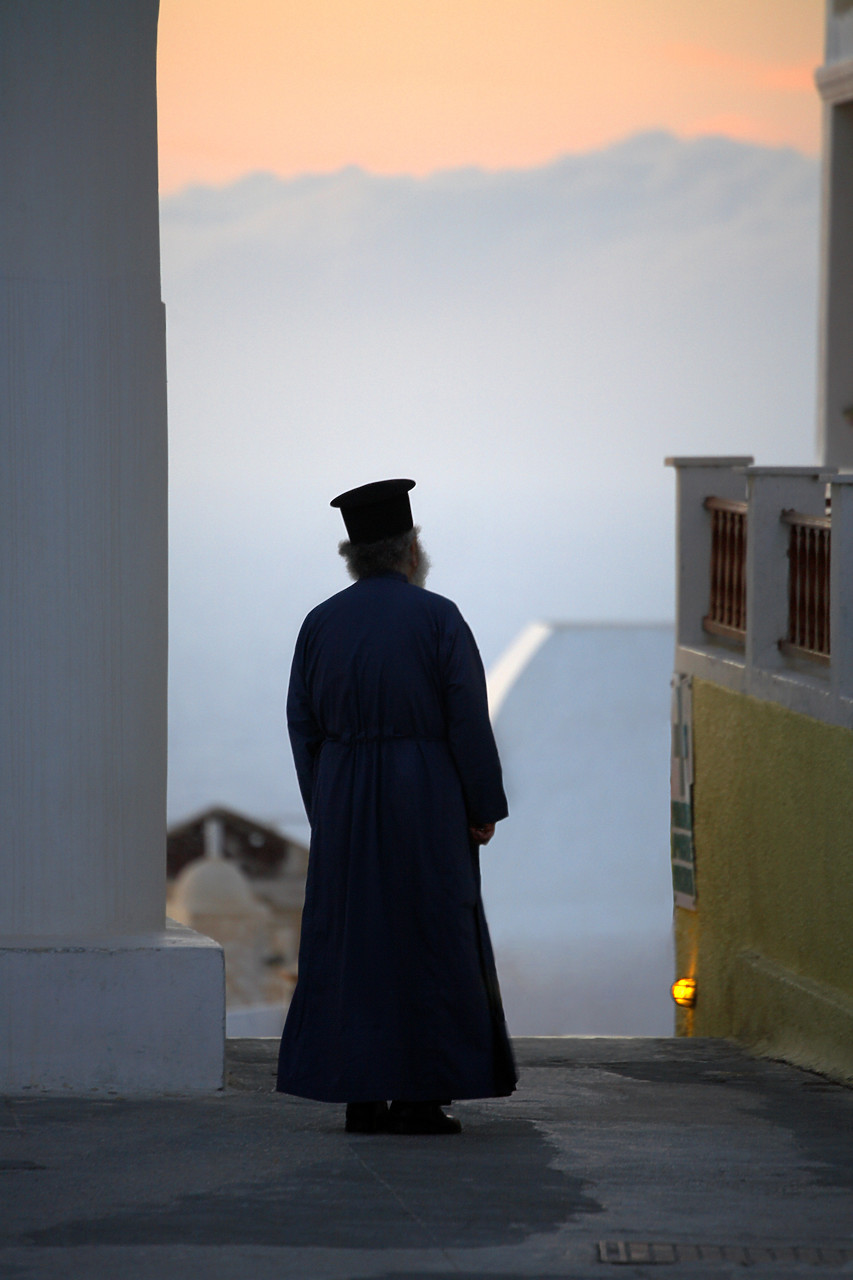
(294, 86)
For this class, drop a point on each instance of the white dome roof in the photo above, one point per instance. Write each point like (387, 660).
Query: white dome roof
(213, 886)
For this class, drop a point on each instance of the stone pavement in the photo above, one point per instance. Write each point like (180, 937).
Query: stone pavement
(629, 1157)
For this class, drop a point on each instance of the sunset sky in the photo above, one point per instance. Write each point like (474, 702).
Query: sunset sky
(411, 86)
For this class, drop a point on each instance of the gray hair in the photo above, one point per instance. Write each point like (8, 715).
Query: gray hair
(390, 555)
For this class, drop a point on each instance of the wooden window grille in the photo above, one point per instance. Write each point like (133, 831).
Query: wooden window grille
(726, 614)
(809, 548)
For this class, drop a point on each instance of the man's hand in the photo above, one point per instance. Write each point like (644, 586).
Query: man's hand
(482, 835)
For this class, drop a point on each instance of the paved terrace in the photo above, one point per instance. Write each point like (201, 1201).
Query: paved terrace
(615, 1157)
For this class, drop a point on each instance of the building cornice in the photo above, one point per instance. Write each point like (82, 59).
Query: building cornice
(835, 82)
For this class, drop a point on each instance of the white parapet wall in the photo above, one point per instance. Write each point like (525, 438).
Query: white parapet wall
(509, 666)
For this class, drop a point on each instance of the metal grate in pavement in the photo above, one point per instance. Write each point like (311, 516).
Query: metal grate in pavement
(633, 1251)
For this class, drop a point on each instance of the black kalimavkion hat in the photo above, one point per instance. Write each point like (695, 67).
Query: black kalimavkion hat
(376, 511)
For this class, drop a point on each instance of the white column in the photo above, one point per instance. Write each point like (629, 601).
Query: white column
(698, 479)
(841, 586)
(83, 566)
(773, 490)
(835, 373)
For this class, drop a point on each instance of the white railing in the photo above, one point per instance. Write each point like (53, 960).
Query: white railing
(764, 581)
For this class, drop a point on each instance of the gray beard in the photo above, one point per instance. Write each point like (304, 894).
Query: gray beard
(419, 577)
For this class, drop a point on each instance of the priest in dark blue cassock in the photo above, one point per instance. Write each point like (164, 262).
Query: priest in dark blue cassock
(397, 998)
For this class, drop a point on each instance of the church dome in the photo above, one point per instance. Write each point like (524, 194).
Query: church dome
(214, 886)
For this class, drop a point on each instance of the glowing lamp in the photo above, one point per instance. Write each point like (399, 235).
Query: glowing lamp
(684, 992)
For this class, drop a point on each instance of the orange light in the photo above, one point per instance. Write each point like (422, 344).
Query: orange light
(684, 992)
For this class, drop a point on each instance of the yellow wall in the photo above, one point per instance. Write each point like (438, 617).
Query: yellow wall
(771, 945)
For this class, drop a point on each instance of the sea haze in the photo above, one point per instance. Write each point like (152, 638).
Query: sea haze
(527, 345)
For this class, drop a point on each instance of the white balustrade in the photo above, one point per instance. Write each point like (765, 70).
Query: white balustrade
(768, 662)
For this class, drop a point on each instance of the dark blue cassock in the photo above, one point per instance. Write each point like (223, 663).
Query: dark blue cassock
(397, 995)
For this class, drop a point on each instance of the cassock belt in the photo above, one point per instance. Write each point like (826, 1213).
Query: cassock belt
(348, 738)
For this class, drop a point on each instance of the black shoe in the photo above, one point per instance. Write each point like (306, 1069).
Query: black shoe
(367, 1117)
(420, 1117)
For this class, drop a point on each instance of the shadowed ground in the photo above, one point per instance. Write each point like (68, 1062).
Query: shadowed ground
(608, 1147)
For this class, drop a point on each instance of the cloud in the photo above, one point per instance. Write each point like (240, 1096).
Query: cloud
(479, 324)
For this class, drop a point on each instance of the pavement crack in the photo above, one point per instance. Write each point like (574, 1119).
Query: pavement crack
(429, 1233)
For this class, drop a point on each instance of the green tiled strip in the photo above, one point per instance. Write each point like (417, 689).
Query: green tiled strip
(680, 815)
(682, 880)
(681, 847)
